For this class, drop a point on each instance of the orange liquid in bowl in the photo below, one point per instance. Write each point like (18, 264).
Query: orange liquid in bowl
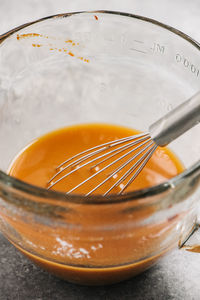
(36, 165)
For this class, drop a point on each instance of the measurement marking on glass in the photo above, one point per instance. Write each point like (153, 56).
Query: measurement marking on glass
(158, 48)
(138, 50)
(137, 41)
(182, 60)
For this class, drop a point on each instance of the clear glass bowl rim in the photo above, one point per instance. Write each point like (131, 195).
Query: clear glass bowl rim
(7, 181)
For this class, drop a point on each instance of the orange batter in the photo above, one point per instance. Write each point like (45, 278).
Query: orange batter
(90, 256)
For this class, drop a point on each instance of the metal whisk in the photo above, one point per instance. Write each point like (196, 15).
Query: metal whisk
(139, 148)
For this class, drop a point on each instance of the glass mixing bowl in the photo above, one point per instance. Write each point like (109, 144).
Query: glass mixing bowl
(96, 67)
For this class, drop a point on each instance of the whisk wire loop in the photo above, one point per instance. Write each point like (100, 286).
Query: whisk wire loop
(121, 167)
(109, 165)
(84, 158)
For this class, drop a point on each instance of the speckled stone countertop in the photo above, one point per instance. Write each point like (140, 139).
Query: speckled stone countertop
(177, 275)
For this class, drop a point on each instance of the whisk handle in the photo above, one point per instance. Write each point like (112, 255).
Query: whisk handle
(176, 122)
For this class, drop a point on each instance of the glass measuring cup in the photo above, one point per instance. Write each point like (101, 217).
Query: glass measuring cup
(96, 67)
